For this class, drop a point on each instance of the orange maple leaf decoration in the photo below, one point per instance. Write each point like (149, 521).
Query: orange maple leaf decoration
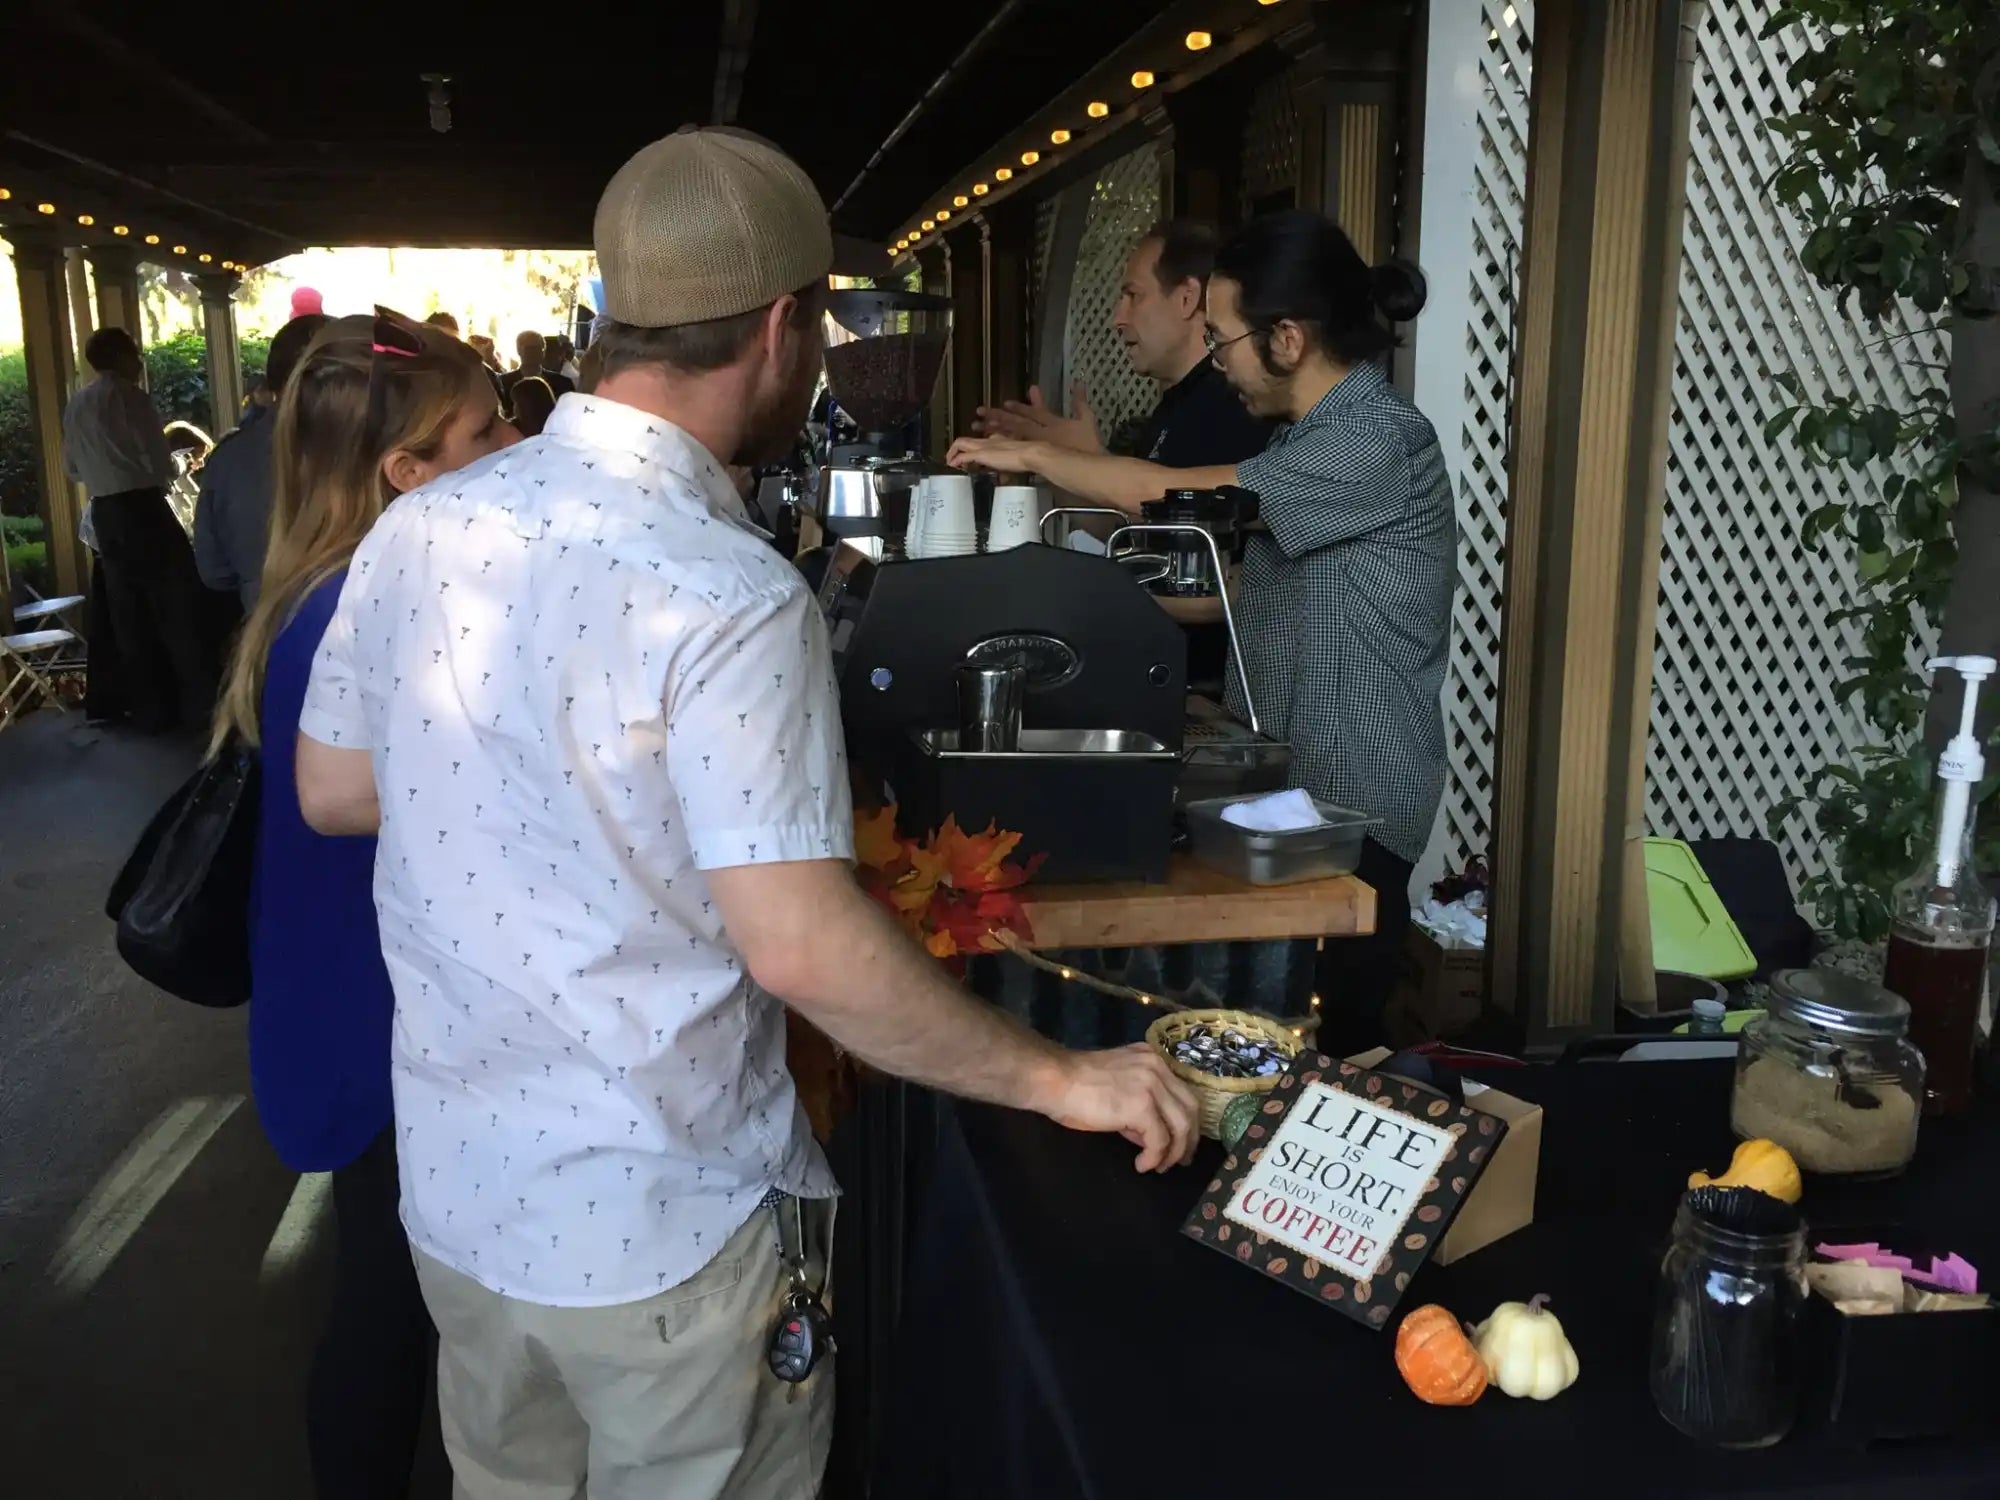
(952, 891)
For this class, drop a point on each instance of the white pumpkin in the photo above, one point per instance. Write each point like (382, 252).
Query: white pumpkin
(1525, 1352)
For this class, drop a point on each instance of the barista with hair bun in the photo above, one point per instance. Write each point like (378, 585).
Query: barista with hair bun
(1344, 601)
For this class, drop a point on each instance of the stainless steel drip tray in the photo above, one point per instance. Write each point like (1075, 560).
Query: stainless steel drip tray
(1222, 757)
(1095, 745)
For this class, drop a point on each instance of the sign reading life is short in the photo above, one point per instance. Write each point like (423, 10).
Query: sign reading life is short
(1345, 1183)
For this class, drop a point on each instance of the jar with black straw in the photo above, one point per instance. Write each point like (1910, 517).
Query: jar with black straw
(1726, 1334)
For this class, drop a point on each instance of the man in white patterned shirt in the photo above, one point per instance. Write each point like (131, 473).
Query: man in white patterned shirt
(593, 715)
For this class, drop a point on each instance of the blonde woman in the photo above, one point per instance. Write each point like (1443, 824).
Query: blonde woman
(376, 407)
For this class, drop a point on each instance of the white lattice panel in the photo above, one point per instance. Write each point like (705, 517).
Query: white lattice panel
(1124, 204)
(1472, 687)
(1745, 663)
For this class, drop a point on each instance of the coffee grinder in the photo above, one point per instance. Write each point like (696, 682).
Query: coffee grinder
(884, 351)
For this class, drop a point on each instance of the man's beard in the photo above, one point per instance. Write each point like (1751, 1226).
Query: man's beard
(769, 434)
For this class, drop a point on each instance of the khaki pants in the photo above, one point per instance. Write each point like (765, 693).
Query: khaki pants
(669, 1397)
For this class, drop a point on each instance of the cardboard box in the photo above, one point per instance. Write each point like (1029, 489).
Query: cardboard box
(1442, 989)
(1503, 1200)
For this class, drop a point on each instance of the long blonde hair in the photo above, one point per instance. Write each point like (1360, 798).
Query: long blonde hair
(344, 409)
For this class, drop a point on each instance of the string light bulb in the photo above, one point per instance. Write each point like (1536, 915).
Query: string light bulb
(1058, 137)
(180, 249)
(980, 190)
(929, 225)
(1097, 109)
(1003, 174)
(960, 200)
(1142, 79)
(86, 220)
(1029, 158)
(45, 208)
(943, 214)
(121, 230)
(6, 194)
(152, 239)
(204, 257)
(1199, 41)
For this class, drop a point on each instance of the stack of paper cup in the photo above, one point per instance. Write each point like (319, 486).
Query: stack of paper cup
(1017, 517)
(913, 534)
(949, 527)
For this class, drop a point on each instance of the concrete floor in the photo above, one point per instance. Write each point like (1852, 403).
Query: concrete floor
(153, 1343)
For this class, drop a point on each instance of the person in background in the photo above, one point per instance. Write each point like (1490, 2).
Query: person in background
(376, 407)
(533, 350)
(533, 401)
(114, 446)
(483, 347)
(592, 713)
(443, 321)
(561, 357)
(233, 516)
(1344, 601)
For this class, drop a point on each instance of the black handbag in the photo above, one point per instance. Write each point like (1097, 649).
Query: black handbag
(182, 901)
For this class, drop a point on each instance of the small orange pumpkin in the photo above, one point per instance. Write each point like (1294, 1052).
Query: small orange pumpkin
(1437, 1360)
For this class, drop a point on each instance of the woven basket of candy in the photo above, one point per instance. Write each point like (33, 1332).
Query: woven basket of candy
(1223, 1055)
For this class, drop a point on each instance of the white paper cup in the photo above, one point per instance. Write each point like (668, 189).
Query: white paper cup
(952, 515)
(1017, 517)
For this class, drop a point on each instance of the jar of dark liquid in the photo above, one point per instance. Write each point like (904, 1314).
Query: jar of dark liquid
(1938, 942)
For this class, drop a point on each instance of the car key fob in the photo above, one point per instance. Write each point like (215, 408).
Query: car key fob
(803, 1334)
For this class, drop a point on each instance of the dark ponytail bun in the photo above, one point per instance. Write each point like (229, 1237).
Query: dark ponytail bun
(1300, 266)
(1400, 290)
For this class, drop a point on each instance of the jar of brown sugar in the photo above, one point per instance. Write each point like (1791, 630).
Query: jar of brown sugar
(1828, 1072)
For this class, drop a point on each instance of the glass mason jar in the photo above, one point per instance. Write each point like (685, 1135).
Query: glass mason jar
(1828, 1073)
(1727, 1327)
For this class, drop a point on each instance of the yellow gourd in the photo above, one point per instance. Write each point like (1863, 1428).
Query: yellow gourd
(1760, 1164)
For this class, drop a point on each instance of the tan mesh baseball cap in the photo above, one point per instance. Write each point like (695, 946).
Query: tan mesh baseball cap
(705, 224)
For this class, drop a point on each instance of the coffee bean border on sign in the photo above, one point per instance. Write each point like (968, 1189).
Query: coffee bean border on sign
(1368, 1300)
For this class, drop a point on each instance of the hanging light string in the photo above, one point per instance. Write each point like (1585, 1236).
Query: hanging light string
(1302, 1027)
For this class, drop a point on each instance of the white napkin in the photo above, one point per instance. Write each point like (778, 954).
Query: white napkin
(1281, 812)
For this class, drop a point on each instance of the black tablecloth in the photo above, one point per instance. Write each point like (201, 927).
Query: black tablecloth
(1060, 1336)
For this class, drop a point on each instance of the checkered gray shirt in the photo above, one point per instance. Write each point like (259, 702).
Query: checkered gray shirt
(1345, 606)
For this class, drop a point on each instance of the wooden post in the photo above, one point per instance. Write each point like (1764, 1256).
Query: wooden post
(225, 361)
(934, 261)
(83, 321)
(1600, 265)
(968, 345)
(1205, 178)
(1009, 271)
(116, 268)
(41, 277)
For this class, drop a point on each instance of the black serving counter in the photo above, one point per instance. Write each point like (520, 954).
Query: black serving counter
(1059, 1337)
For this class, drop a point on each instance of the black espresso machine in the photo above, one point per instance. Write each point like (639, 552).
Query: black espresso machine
(1089, 783)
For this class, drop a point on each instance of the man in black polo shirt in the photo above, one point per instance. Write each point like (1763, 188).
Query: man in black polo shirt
(1199, 421)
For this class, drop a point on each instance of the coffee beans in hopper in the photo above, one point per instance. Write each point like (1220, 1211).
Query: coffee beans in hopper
(883, 382)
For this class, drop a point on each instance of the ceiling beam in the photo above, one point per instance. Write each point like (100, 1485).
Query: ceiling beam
(732, 59)
(147, 71)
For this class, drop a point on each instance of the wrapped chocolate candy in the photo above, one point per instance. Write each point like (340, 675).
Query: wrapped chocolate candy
(1228, 1053)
